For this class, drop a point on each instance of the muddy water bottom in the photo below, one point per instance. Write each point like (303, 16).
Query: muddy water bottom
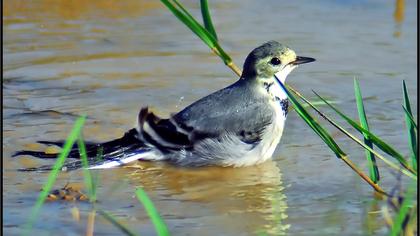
(106, 59)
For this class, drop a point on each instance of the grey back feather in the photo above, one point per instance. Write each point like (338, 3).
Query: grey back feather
(234, 109)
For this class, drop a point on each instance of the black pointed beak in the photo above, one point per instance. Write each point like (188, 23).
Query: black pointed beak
(302, 60)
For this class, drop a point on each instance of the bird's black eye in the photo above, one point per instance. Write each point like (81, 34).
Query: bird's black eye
(275, 61)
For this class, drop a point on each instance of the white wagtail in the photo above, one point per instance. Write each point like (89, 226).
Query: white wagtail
(239, 125)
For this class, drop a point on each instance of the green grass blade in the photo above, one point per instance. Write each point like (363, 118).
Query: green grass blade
(90, 182)
(375, 140)
(326, 137)
(194, 22)
(318, 103)
(71, 139)
(205, 12)
(412, 138)
(358, 141)
(160, 226)
(182, 14)
(191, 20)
(413, 123)
(322, 133)
(404, 210)
(373, 168)
(116, 223)
(214, 45)
(185, 17)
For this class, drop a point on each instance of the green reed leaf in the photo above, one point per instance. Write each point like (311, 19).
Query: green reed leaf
(90, 182)
(71, 139)
(373, 168)
(116, 223)
(152, 212)
(190, 22)
(358, 141)
(322, 133)
(404, 211)
(411, 129)
(319, 103)
(205, 12)
(375, 140)
(185, 17)
(411, 118)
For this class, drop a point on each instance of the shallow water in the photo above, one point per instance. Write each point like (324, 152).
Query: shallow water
(106, 59)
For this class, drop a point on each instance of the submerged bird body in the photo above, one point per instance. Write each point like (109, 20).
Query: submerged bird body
(239, 125)
(245, 133)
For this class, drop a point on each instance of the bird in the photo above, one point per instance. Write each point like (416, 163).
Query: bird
(239, 125)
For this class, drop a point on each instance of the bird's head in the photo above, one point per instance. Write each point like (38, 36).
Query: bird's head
(272, 58)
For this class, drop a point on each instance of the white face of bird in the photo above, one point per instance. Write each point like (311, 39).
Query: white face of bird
(271, 59)
(276, 63)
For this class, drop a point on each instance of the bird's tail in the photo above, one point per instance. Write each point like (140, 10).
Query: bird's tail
(100, 155)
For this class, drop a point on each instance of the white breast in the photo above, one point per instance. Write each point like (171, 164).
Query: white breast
(272, 135)
(230, 150)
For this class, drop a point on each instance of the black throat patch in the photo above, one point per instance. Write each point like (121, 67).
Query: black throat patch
(284, 103)
(267, 86)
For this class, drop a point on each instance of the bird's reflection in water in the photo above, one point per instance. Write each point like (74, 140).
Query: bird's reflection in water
(249, 198)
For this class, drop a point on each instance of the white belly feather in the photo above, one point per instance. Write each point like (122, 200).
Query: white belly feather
(272, 135)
